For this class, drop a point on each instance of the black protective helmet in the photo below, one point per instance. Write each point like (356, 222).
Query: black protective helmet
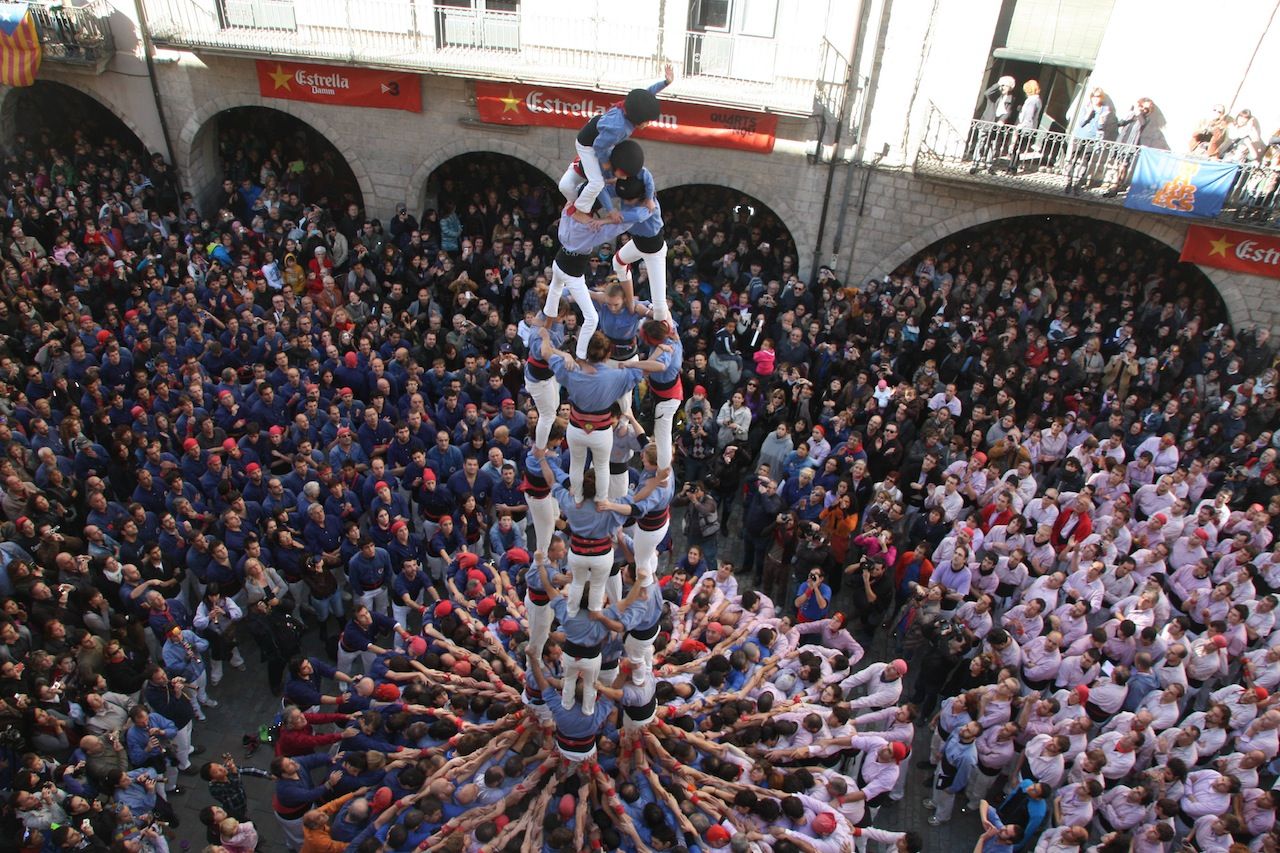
(627, 157)
(640, 106)
(630, 189)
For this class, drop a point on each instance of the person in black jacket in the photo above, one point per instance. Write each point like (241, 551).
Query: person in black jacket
(997, 109)
(724, 480)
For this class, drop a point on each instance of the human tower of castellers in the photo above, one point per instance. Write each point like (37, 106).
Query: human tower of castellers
(755, 731)
(596, 752)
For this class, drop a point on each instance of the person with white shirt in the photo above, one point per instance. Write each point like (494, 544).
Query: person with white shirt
(1163, 450)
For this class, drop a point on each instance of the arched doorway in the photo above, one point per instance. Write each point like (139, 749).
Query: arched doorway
(746, 223)
(482, 186)
(1118, 265)
(53, 115)
(281, 154)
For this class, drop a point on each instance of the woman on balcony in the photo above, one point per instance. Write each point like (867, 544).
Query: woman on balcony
(1028, 123)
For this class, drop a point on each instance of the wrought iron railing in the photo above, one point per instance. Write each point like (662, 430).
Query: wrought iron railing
(1043, 161)
(79, 35)
(600, 51)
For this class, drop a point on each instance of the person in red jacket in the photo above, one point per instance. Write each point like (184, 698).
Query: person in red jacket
(1073, 524)
(298, 737)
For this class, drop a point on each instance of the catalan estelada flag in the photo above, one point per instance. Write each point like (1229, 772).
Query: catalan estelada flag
(19, 45)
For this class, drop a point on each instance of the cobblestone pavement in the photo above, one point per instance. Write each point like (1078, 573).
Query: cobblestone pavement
(245, 703)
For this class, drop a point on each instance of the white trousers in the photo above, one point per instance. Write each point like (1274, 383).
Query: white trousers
(577, 287)
(613, 586)
(646, 549)
(664, 418)
(600, 443)
(543, 511)
(618, 485)
(588, 570)
(640, 654)
(400, 613)
(542, 712)
(570, 181)
(539, 616)
(655, 265)
(589, 670)
(546, 399)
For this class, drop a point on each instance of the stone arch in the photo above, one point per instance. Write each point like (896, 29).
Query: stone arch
(802, 230)
(197, 149)
(1170, 233)
(417, 188)
(9, 106)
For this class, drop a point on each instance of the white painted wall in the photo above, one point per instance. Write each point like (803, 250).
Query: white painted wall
(1190, 56)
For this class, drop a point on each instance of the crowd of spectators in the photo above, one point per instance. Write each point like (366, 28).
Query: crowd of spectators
(1007, 514)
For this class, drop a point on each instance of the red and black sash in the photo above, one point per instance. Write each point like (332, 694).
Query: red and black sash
(654, 520)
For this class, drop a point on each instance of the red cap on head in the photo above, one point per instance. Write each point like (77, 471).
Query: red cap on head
(468, 561)
(824, 824)
(351, 359)
(1219, 641)
(444, 608)
(1201, 534)
(381, 800)
(717, 834)
(428, 476)
(698, 389)
(500, 822)
(508, 626)
(900, 665)
(276, 430)
(190, 444)
(104, 336)
(1261, 693)
(900, 750)
(566, 807)
(381, 484)
(469, 407)
(137, 411)
(417, 646)
(485, 606)
(229, 444)
(518, 555)
(386, 693)
(462, 668)
(1083, 692)
(398, 525)
(131, 314)
(818, 430)
(251, 467)
(346, 392)
(1161, 517)
(716, 627)
(980, 458)
(224, 393)
(21, 520)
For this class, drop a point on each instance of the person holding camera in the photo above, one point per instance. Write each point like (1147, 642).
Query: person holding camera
(701, 524)
(149, 742)
(814, 601)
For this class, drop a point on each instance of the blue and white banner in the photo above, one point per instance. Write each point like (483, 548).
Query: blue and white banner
(1183, 186)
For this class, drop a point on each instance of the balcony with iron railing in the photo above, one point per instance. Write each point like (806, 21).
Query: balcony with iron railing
(579, 51)
(78, 36)
(1049, 162)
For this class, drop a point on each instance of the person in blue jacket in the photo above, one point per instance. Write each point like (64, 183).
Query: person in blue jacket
(596, 140)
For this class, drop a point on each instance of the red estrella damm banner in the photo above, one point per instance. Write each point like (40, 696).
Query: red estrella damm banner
(332, 84)
(688, 124)
(1228, 249)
